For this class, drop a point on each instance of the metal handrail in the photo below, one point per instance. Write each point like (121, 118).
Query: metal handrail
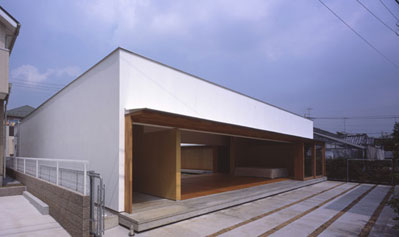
(49, 159)
(84, 162)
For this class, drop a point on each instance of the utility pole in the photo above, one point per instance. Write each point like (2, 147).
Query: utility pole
(307, 114)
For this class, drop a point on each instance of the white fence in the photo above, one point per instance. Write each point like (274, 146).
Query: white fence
(71, 174)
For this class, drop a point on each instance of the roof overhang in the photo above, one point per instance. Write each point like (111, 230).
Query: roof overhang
(12, 26)
(161, 118)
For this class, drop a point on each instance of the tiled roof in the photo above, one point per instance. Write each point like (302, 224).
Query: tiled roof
(20, 112)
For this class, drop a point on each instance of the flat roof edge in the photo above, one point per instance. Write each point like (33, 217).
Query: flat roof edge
(15, 23)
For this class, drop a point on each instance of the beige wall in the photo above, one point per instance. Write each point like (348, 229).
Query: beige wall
(156, 162)
(198, 157)
(4, 63)
(2, 141)
(4, 67)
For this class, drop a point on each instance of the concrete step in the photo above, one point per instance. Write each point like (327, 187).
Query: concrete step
(41, 206)
(111, 219)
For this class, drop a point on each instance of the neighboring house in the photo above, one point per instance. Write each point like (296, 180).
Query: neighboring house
(9, 29)
(14, 116)
(386, 143)
(372, 151)
(352, 146)
(138, 121)
(337, 147)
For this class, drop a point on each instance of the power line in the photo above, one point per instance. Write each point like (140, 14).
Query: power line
(35, 86)
(38, 83)
(359, 117)
(382, 2)
(376, 17)
(360, 36)
(33, 89)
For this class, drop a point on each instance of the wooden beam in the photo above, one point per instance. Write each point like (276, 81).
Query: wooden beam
(148, 116)
(128, 164)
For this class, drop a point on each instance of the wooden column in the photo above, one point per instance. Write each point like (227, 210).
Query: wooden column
(215, 159)
(128, 164)
(299, 161)
(177, 136)
(157, 166)
(233, 147)
(314, 160)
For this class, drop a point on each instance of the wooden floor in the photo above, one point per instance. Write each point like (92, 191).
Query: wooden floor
(201, 185)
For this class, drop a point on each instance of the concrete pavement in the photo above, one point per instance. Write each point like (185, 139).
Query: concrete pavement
(295, 213)
(18, 217)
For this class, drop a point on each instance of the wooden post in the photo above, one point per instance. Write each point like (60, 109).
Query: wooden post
(178, 164)
(128, 164)
(299, 161)
(233, 147)
(314, 160)
(215, 159)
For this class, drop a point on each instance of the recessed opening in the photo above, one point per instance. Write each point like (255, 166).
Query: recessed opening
(177, 164)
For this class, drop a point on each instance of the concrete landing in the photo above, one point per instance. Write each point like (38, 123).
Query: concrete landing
(18, 217)
(11, 191)
(164, 212)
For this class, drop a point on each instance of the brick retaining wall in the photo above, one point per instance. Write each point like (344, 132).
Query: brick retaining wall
(69, 208)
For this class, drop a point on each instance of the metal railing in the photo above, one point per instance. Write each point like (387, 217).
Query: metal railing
(71, 174)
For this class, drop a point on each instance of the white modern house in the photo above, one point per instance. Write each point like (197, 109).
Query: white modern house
(133, 118)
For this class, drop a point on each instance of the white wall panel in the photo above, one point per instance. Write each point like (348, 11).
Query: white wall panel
(81, 122)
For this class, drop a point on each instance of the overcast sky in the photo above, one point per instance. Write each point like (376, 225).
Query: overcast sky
(292, 54)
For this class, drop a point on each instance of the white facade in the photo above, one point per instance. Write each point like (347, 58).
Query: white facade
(81, 123)
(86, 119)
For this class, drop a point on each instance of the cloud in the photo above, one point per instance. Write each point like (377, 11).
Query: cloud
(32, 74)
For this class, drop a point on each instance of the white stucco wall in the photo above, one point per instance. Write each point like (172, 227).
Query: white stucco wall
(81, 122)
(147, 84)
